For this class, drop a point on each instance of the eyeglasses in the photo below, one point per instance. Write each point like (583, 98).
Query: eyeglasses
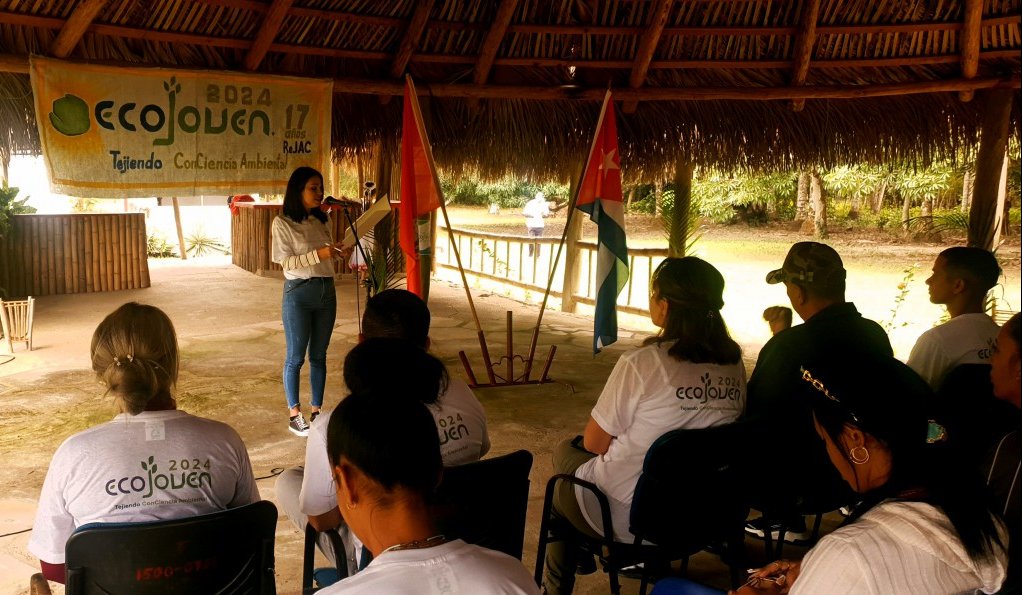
(818, 385)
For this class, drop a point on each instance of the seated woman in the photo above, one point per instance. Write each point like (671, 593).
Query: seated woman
(385, 458)
(689, 376)
(1003, 467)
(152, 462)
(922, 528)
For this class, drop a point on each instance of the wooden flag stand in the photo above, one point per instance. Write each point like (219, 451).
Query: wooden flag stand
(508, 361)
(509, 358)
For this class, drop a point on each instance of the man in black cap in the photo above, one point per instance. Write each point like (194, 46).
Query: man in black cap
(832, 331)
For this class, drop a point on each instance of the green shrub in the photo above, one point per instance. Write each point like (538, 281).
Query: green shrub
(10, 205)
(200, 244)
(158, 247)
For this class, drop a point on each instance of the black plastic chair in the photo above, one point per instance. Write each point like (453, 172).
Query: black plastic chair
(972, 416)
(230, 551)
(688, 498)
(483, 503)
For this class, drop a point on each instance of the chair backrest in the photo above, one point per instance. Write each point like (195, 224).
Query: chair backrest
(690, 492)
(16, 321)
(230, 551)
(974, 418)
(485, 502)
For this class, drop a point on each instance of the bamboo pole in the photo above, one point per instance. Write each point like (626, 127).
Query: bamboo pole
(145, 257)
(69, 254)
(90, 283)
(180, 233)
(567, 226)
(443, 209)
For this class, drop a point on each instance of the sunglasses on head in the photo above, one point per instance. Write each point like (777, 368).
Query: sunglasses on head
(819, 386)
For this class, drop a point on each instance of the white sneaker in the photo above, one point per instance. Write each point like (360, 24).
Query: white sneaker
(298, 426)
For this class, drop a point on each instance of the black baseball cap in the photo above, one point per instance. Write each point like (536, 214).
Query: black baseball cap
(809, 263)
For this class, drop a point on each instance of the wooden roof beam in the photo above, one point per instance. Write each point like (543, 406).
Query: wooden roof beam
(805, 39)
(267, 33)
(659, 12)
(493, 39)
(971, 34)
(411, 38)
(409, 41)
(75, 26)
(19, 64)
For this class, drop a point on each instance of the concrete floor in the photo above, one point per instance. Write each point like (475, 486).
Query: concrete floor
(232, 345)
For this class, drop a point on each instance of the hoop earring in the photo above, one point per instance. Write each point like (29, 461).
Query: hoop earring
(859, 459)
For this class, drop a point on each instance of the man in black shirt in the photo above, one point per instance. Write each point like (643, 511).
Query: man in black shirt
(814, 278)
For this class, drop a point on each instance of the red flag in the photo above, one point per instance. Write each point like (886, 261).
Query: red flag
(603, 171)
(418, 191)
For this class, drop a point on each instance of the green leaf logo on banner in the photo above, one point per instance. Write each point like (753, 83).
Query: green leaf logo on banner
(70, 115)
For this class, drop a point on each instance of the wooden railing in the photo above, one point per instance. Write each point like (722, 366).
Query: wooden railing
(507, 259)
(77, 253)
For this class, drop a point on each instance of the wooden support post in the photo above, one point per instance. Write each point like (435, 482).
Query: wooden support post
(970, 42)
(680, 219)
(992, 145)
(572, 235)
(1002, 197)
(819, 202)
(180, 232)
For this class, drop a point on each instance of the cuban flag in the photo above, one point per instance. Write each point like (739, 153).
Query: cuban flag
(600, 197)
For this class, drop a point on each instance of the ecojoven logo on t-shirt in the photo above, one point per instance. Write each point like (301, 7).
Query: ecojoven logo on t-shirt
(726, 387)
(182, 473)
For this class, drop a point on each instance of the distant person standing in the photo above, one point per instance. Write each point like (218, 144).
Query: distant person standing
(304, 248)
(535, 211)
(961, 278)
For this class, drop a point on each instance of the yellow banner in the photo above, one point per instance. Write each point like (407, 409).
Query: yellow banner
(112, 132)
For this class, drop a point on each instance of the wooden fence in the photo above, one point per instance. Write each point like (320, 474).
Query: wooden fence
(507, 259)
(76, 253)
(250, 238)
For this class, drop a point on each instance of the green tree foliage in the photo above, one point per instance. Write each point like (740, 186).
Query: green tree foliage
(11, 205)
(508, 193)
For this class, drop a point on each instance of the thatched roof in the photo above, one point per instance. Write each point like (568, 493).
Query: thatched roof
(731, 83)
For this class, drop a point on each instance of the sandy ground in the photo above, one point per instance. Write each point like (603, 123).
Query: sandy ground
(232, 345)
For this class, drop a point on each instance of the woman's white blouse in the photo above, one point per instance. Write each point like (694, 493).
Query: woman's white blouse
(295, 244)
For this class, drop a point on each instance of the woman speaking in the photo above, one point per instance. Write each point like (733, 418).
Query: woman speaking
(303, 246)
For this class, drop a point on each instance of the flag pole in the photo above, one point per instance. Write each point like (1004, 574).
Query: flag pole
(564, 235)
(414, 98)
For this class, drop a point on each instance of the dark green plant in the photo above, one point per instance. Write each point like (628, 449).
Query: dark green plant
(954, 221)
(690, 235)
(10, 205)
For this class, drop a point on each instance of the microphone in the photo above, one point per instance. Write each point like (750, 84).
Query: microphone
(334, 201)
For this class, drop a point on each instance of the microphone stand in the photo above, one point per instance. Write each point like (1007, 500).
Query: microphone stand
(370, 281)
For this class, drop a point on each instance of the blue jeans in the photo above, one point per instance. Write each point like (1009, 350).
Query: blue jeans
(309, 311)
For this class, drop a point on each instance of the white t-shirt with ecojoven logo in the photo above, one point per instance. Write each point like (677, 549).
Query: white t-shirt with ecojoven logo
(156, 465)
(648, 394)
